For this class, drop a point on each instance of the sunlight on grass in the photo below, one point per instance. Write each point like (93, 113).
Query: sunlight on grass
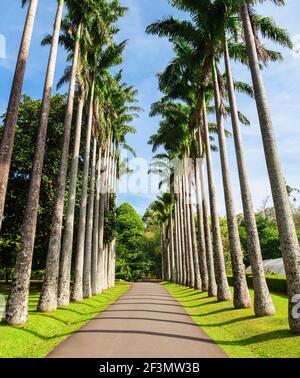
(238, 332)
(44, 331)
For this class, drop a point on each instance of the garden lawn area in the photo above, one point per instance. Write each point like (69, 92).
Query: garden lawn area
(238, 332)
(44, 331)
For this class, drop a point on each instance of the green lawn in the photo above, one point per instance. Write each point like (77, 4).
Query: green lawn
(44, 331)
(238, 332)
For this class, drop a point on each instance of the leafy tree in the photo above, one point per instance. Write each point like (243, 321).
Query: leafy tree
(152, 250)
(132, 262)
(20, 176)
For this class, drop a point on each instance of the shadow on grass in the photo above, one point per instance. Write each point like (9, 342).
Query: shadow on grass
(191, 294)
(227, 322)
(201, 303)
(262, 337)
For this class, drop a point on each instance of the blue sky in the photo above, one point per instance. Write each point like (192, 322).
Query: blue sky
(147, 55)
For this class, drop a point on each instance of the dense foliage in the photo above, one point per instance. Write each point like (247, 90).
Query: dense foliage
(134, 249)
(19, 180)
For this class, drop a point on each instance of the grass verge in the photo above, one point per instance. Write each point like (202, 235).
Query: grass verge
(44, 331)
(238, 332)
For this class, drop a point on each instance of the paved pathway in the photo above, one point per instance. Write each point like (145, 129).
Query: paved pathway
(145, 322)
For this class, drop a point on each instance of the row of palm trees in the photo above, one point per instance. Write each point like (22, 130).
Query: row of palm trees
(194, 87)
(104, 113)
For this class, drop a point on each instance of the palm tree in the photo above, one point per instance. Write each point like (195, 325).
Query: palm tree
(18, 300)
(67, 244)
(210, 18)
(173, 136)
(48, 301)
(288, 236)
(241, 293)
(198, 279)
(100, 62)
(79, 14)
(120, 112)
(183, 32)
(212, 285)
(163, 208)
(95, 242)
(7, 141)
(200, 224)
(263, 304)
(223, 291)
(77, 293)
(87, 277)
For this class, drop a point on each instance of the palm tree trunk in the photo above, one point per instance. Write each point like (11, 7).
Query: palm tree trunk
(191, 282)
(168, 264)
(178, 243)
(263, 304)
(107, 265)
(197, 282)
(201, 236)
(77, 292)
(185, 232)
(172, 249)
(112, 263)
(52, 264)
(288, 237)
(212, 285)
(106, 257)
(179, 238)
(95, 251)
(110, 246)
(87, 277)
(182, 231)
(188, 276)
(162, 252)
(20, 289)
(100, 263)
(107, 207)
(61, 294)
(241, 293)
(223, 291)
(7, 142)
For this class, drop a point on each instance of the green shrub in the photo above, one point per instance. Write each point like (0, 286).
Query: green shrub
(38, 275)
(275, 283)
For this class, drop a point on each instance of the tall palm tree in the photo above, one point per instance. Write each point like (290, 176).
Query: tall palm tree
(87, 274)
(86, 15)
(209, 18)
(100, 62)
(183, 32)
(16, 312)
(77, 292)
(163, 208)
(223, 291)
(263, 304)
(200, 225)
(7, 141)
(49, 293)
(205, 26)
(95, 242)
(67, 244)
(288, 236)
